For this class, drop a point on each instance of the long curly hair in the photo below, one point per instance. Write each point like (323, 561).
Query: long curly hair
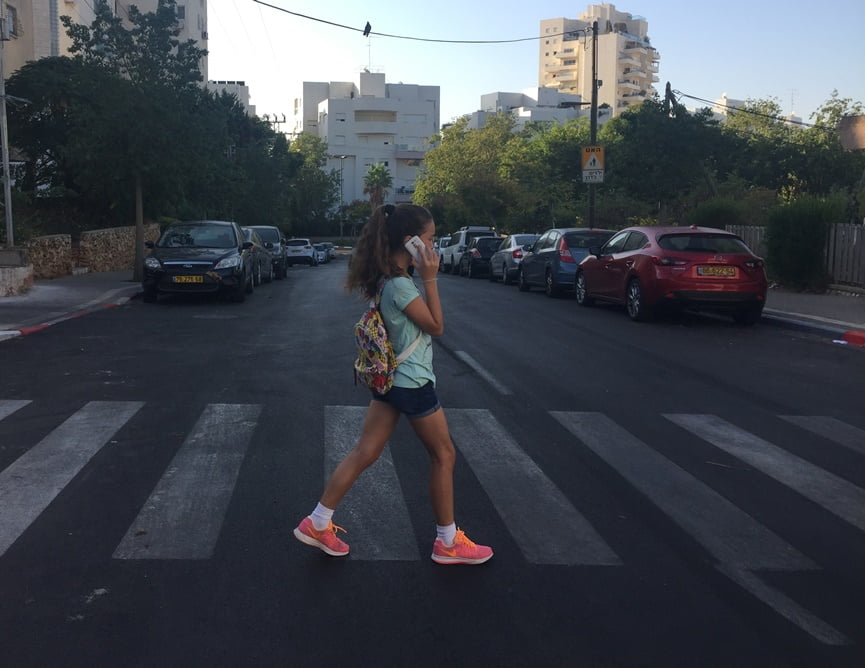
(382, 235)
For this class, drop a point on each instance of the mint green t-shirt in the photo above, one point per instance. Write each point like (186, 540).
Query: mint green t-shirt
(417, 370)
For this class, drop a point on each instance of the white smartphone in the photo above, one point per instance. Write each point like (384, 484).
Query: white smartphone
(414, 246)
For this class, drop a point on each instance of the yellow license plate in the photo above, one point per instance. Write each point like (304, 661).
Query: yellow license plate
(716, 270)
(188, 279)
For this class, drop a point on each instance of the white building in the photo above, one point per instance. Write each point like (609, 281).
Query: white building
(535, 105)
(627, 64)
(237, 88)
(369, 123)
(35, 30)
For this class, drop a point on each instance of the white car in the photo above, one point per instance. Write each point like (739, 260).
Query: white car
(300, 251)
(450, 257)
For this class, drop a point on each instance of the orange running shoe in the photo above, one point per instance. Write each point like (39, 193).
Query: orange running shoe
(463, 551)
(325, 540)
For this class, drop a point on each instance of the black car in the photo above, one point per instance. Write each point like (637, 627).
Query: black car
(262, 258)
(476, 259)
(275, 243)
(198, 257)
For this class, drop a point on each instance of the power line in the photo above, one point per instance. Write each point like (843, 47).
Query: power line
(740, 110)
(364, 31)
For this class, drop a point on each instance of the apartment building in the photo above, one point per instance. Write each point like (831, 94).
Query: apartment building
(627, 64)
(35, 30)
(367, 123)
(533, 105)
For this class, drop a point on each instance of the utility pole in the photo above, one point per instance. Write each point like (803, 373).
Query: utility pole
(4, 137)
(594, 117)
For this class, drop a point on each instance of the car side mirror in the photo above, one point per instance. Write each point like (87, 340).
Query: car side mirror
(528, 247)
(595, 250)
(462, 249)
(247, 245)
(268, 244)
(148, 244)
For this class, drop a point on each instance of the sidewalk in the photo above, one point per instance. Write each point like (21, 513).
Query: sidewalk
(837, 315)
(50, 301)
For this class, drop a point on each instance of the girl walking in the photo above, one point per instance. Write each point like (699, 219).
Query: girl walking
(380, 254)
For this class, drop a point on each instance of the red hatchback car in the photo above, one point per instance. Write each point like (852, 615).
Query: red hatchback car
(702, 268)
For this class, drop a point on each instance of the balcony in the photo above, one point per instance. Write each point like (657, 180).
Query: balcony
(625, 84)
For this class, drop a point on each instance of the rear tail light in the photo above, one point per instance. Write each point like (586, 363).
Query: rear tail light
(565, 252)
(476, 252)
(754, 264)
(665, 261)
(517, 253)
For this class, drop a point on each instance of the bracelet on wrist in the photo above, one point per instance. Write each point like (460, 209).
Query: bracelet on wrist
(430, 280)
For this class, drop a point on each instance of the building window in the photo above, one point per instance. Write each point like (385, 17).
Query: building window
(181, 12)
(12, 21)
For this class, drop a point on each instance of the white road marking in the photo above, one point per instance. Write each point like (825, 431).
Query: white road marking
(828, 427)
(375, 512)
(734, 538)
(545, 525)
(9, 406)
(833, 493)
(32, 482)
(483, 373)
(183, 516)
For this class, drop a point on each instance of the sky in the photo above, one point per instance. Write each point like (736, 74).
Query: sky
(792, 52)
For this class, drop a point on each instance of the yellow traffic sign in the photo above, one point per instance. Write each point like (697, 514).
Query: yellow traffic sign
(593, 158)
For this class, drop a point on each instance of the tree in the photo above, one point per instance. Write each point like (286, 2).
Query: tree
(376, 184)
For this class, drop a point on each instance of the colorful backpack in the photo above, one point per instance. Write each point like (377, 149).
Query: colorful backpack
(376, 362)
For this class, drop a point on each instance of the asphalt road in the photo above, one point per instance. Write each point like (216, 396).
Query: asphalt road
(678, 493)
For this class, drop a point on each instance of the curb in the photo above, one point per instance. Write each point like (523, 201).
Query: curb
(838, 332)
(90, 307)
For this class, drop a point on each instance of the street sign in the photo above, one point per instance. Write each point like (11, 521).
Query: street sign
(593, 158)
(593, 176)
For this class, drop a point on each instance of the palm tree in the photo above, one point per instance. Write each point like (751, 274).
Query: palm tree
(376, 184)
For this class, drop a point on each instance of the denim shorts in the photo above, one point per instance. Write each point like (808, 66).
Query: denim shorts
(413, 402)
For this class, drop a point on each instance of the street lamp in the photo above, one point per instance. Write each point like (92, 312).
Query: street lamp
(341, 195)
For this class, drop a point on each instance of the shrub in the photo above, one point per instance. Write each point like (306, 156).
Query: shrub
(796, 241)
(718, 213)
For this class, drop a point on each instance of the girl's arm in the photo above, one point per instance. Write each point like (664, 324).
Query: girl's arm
(427, 314)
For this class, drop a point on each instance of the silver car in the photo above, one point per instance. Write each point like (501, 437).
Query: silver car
(506, 260)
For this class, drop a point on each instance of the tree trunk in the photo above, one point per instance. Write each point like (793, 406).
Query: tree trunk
(138, 271)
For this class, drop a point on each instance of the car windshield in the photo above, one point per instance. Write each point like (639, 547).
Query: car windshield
(702, 243)
(586, 239)
(197, 236)
(268, 234)
(488, 244)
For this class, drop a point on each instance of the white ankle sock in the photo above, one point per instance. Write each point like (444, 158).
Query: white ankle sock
(321, 517)
(447, 534)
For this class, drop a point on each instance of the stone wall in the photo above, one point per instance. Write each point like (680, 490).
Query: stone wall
(110, 249)
(51, 256)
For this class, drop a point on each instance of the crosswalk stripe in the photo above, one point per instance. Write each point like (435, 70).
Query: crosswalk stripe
(833, 493)
(32, 481)
(183, 516)
(547, 528)
(831, 428)
(374, 502)
(9, 406)
(727, 532)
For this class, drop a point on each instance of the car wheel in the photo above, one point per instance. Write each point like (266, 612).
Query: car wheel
(748, 315)
(269, 277)
(441, 264)
(469, 272)
(634, 302)
(522, 284)
(249, 283)
(256, 275)
(506, 277)
(581, 292)
(550, 287)
(491, 275)
(149, 296)
(454, 268)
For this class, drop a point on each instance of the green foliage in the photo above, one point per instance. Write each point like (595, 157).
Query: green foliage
(376, 183)
(796, 241)
(718, 213)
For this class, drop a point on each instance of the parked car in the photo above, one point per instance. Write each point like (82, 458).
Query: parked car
(646, 268)
(476, 260)
(300, 251)
(331, 249)
(275, 243)
(506, 260)
(199, 256)
(321, 254)
(439, 244)
(262, 258)
(552, 261)
(457, 244)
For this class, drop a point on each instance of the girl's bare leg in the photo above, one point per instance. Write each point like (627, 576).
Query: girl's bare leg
(433, 433)
(380, 421)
